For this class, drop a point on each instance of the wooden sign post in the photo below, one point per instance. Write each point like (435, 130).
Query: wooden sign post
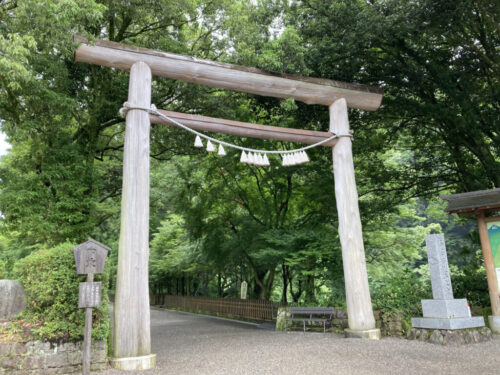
(480, 204)
(90, 257)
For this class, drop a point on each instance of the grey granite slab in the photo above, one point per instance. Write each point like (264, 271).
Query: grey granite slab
(443, 323)
(445, 308)
(12, 298)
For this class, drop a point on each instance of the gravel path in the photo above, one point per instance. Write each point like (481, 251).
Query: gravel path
(194, 344)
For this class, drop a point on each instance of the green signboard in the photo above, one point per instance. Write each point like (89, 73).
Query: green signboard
(494, 234)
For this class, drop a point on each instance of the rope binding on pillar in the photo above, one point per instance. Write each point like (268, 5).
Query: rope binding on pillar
(248, 155)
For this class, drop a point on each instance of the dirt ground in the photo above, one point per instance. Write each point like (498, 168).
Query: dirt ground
(194, 344)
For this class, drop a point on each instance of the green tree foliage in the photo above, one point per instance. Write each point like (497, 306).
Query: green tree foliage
(438, 64)
(51, 284)
(3, 271)
(214, 221)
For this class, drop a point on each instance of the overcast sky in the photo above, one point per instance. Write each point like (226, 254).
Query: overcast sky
(3, 145)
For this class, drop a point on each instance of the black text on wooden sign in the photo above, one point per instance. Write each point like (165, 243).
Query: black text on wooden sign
(89, 295)
(90, 257)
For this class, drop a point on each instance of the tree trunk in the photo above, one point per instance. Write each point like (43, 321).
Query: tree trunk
(310, 292)
(285, 283)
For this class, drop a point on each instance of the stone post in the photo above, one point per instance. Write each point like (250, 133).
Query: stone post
(443, 311)
(244, 288)
(359, 305)
(132, 342)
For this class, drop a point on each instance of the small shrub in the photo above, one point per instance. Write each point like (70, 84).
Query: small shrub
(3, 271)
(400, 294)
(51, 283)
(471, 284)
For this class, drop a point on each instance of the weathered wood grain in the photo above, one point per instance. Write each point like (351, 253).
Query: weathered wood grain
(87, 337)
(229, 76)
(489, 264)
(245, 129)
(132, 321)
(359, 307)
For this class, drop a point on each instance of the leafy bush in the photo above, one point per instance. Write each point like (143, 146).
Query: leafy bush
(471, 284)
(3, 272)
(51, 283)
(400, 293)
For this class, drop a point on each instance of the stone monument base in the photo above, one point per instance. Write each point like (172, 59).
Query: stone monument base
(448, 323)
(494, 323)
(445, 308)
(450, 337)
(373, 334)
(144, 362)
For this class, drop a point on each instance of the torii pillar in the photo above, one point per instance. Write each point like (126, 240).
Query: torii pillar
(359, 305)
(132, 338)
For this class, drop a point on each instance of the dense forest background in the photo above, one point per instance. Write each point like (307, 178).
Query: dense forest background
(215, 221)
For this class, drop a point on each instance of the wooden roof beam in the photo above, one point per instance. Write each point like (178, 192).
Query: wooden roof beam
(229, 76)
(244, 129)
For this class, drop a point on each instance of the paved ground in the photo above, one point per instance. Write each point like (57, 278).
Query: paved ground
(193, 344)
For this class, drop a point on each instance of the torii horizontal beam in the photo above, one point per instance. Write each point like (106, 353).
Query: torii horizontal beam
(244, 129)
(229, 76)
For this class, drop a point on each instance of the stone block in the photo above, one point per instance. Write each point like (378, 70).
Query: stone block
(145, 362)
(341, 314)
(450, 337)
(35, 362)
(12, 298)
(412, 334)
(12, 363)
(454, 308)
(486, 333)
(454, 338)
(436, 338)
(100, 366)
(19, 348)
(494, 322)
(75, 358)
(6, 348)
(452, 323)
(424, 335)
(283, 313)
(56, 360)
(373, 334)
(99, 356)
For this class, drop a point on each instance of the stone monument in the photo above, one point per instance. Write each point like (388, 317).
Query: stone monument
(12, 298)
(244, 288)
(443, 311)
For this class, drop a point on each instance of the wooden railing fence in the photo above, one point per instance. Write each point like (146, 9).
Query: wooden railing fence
(243, 308)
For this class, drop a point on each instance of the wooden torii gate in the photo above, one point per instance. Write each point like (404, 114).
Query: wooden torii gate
(132, 343)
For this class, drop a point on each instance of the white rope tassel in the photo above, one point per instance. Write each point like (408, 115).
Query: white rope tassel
(266, 160)
(210, 147)
(306, 158)
(260, 160)
(197, 142)
(221, 151)
(244, 157)
(251, 158)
